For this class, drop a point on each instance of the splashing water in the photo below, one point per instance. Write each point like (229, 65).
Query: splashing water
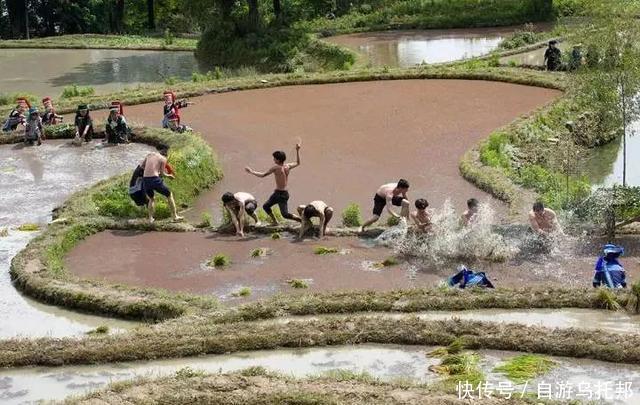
(448, 240)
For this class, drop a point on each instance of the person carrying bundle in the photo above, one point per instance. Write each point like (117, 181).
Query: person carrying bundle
(50, 117)
(16, 116)
(116, 126)
(608, 270)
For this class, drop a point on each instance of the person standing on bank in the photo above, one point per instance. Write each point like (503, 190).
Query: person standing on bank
(280, 196)
(553, 56)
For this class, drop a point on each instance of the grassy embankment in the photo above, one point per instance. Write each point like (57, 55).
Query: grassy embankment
(98, 41)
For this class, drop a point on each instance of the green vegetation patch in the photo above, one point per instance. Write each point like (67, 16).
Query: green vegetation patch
(351, 216)
(297, 283)
(260, 252)
(98, 41)
(29, 227)
(219, 260)
(242, 292)
(526, 367)
(74, 91)
(324, 250)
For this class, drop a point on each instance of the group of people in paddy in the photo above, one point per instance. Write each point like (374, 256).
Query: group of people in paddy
(148, 180)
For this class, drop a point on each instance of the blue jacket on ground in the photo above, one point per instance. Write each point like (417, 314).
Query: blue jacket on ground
(608, 270)
(469, 278)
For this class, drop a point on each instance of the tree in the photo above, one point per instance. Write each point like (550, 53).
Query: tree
(151, 16)
(17, 17)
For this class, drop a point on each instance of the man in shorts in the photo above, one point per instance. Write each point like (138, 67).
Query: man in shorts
(238, 205)
(318, 209)
(280, 196)
(386, 196)
(155, 166)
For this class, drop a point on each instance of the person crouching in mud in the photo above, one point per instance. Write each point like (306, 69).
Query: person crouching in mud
(33, 130)
(388, 195)
(175, 126)
(280, 195)
(171, 109)
(117, 130)
(238, 205)
(543, 221)
(84, 125)
(50, 117)
(422, 217)
(318, 209)
(608, 270)
(16, 116)
(155, 166)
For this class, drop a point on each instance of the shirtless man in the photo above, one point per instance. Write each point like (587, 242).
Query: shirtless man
(318, 209)
(238, 205)
(472, 209)
(388, 195)
(421, 217)
(543, 220)
(281, 173)
(154, 166)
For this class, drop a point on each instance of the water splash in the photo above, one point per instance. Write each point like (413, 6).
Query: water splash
(449, 240)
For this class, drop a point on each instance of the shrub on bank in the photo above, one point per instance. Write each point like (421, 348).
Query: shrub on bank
(351, 216)
(77, 91)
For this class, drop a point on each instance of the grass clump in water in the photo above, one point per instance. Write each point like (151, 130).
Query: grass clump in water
(393, 221)
(206, 219)
(77, 91)
(29, 227)
(219, 260)
(188, 372)
(4, 232)
(276, 236)
(243, 292)
(607, 300)
(342, 375)
(323, 250)
(259, 252)
(524, 368)
(297, 283)
(351, 216)
(389, 261)
(100, 330)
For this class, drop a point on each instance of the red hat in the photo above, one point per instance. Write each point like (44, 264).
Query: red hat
(117, 106)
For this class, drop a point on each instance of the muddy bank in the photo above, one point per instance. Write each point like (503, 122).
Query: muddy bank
(177, 261)
(386, 362)
(355, 136)
(34, 181)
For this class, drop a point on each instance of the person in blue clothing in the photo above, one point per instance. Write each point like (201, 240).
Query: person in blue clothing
(468, 278)
(609, 272)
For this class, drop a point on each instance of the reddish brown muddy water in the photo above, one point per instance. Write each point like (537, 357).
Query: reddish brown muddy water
(355, 136)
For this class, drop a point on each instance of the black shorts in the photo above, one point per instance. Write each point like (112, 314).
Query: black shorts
(151, 184)
(379, 203)
(250, 206)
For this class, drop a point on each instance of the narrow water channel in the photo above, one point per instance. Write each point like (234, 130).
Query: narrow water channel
(33, 180)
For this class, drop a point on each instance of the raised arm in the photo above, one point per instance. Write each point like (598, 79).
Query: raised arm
(297, 163)
(259, 174)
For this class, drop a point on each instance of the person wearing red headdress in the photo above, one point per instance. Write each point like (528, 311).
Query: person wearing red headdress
(173, 123)
(50, 117)
(17, 115)
(172, 108)
(116, 127)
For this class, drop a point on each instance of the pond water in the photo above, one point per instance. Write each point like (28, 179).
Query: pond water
(387, 362)
(34, 181)
(605, 166)
(409, 48)
(45, 72)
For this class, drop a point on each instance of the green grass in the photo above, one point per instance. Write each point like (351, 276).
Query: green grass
(297, 283)
(75, 91)
(4, 232)
(242, 292)
(342, 375)
(97, 41)
(351, 216)
(100, 330)
(323, 250)
(219, 260)
(393, 221)
(259, 252)
(276, 235)
(526, 367)
(9, 99)
(206, 220)
(29, 227)
(607, 299)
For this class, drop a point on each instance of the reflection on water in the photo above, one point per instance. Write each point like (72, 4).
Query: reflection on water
(408, 48)
(33, 180)
(605, 166)
(47, 71)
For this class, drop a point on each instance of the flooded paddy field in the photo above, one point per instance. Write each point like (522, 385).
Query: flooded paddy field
(387, 362)
(34, 181)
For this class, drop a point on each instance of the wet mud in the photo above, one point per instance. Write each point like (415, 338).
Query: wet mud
(33, 181)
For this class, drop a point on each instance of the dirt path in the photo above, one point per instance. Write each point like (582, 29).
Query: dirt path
(355, 136)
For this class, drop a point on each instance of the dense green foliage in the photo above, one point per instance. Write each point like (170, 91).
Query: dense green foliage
(526, 367)
(351, 216)
(77, 91)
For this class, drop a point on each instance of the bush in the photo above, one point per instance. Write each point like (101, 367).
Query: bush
(10, 98)
(77, 91)
(351, 216)
(521, 37)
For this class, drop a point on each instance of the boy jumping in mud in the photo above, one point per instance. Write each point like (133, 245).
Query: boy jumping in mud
(422, 217)
(543, 221)
(470, 214)
(318, 209)
(388, 195)
(154, 166)
(238, 205)
(281, 173)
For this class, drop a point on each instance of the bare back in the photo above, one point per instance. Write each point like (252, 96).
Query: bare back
(154, 165)
(386, 190)
(281, 173)
(546, 221)
(243, 197)
(320, 206)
